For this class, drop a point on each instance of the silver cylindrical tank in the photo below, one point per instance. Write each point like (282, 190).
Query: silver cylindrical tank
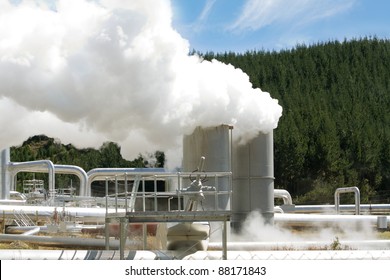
(5, 177)
(253, 180)
(214, 143)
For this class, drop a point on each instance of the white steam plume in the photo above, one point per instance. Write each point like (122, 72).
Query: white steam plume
(89, 72)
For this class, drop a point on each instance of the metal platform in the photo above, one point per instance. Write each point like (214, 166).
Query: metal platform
(166, 217)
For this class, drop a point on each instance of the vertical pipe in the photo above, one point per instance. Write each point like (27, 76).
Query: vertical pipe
(5, 177)
(224, 241)
(116, 194)
(126, 190)
(155, 193)
(143, 196)
(122, 237)
(179, 191)
(106, 225)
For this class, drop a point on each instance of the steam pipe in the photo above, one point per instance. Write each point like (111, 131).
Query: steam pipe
(35, 166)
(347, 190)
(95, 215)
(5, 178)
(71, 170)
(285, 195)
(63, 241)
(364, 208)
(328, 220)
(32, 231)
(300, 245)
(199, 255)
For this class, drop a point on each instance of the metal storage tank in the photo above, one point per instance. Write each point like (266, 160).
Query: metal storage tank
(5, 177)
(253, 180)
(214, 143)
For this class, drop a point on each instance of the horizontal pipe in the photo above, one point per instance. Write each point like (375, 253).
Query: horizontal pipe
(32, 231)
(64, 241)
(75, 255)
(293, 255)
(364, 208)
(71, 227)
(326, 220)
(95, 215)
(199, 255)
(302, 245)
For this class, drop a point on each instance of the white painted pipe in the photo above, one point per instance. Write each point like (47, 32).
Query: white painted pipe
(200, 255)
(32, 231)
(35, 166)
(347, 190)
(64, 241)
(292, 255)
(284, 194)
(69, 227)
(77, 255)
(69, 170)
(74, 170)
(328, 209)
(5, 176)
(302, 245)
(343, 221)
(95, 215)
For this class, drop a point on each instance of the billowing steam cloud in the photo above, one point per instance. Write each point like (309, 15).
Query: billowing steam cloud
(88, 72)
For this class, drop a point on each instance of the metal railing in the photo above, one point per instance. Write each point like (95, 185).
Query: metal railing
(219, 187)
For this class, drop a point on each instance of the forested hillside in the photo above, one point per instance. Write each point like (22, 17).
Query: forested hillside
(108, 155)
(335, 128)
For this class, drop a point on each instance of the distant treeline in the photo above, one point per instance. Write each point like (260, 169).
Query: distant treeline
(335, 128)
(108, 155)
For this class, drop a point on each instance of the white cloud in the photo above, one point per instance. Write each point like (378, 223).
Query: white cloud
(200, 22)
(257, 14)
(87, 72)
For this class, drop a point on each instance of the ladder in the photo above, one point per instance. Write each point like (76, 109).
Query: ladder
(22, 219)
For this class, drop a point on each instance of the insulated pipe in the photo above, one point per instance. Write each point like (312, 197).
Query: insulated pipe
(321, 220)
(35, 166)
(32, 231)
(301, 245)
(71, 170)
(199, 255)
(5, 177)
(100, 174)
(64, 241)
(79, 255)
(347, 190)
(92, 215)
(285, 195)
(328, 209)
(68, 228)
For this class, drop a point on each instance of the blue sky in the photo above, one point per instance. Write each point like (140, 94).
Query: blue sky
(242, 25)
